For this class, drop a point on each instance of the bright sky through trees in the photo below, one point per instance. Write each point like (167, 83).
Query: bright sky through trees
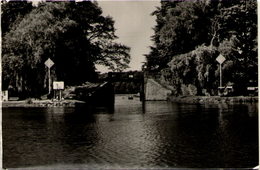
(134, 26)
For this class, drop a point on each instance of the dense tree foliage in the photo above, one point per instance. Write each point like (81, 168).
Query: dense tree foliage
(13, 13)
(189, 35)
(76, 36)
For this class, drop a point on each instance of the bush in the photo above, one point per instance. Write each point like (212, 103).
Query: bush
(188, 90)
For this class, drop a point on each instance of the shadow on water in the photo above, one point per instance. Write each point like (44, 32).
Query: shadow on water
(44, 136)
(220, 134)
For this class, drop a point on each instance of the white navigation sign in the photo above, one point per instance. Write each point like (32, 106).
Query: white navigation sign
(58, 85)
(220, 59)
(49, 63)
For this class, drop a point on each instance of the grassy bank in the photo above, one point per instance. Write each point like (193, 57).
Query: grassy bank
(213, 99)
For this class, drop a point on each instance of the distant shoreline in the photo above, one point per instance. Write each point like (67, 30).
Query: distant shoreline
(183, 99)
(214, 99)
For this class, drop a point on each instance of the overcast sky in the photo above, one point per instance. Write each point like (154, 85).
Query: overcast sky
(133, 24)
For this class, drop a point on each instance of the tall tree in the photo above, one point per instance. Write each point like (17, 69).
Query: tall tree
(12, 12)
(193, 33)
(74, 35)
(239, 43)
(179, 29)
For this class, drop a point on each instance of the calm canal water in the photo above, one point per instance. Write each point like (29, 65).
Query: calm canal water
(160, 134)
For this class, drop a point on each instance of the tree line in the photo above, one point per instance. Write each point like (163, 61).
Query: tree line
(190, 35)
(75, 35)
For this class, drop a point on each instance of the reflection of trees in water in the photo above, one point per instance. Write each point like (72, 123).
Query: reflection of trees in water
(252, 109)
(78, 126)
(71, 132)
(196, 135)
(236, 115)
(220, 135)
(184, 137)
(237, 132)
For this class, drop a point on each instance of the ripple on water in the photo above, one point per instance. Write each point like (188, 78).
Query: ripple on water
(159, 134)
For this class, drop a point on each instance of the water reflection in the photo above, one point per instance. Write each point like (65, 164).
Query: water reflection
(237, 129)
(157, 134)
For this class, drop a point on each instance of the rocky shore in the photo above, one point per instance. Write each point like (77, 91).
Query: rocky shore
(183, 99)
(41, 103)
(213, 99)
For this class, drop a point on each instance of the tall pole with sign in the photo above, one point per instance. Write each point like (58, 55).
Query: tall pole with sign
(49, 63)
(220, 59)
(220, 75)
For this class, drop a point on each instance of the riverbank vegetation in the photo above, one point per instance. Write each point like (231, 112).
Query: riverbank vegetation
(74, 35)
(190, 35)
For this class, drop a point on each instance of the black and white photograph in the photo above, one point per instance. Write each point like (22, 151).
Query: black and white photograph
(127, 84)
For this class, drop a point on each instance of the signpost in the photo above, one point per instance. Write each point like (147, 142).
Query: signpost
(49, 63)
(220, 59)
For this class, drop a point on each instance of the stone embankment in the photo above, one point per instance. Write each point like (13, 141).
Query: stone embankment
(213, 99)
(41, 103)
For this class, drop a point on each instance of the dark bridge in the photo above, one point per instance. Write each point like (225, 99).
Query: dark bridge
(96, 94)
(103, 93)
(131, 82)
